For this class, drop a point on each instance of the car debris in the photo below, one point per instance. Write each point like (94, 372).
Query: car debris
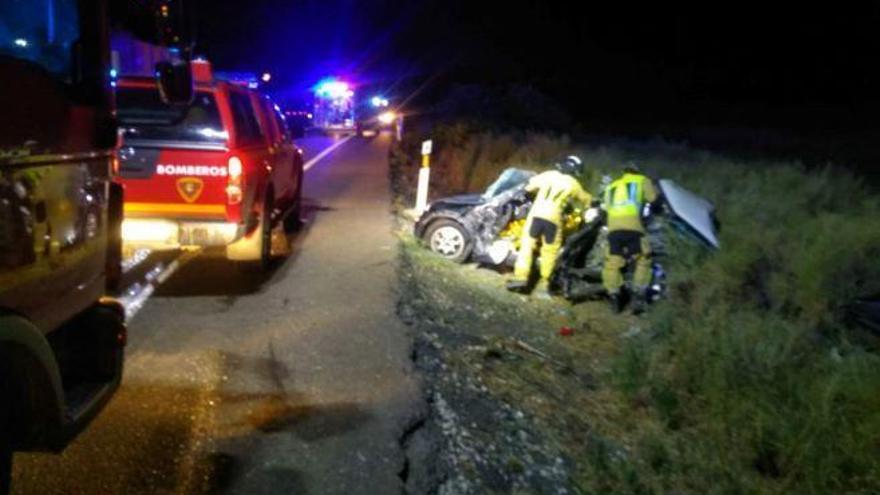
(566, 331)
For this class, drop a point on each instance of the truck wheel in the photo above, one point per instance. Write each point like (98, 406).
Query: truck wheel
(449, 239)
(266, 233)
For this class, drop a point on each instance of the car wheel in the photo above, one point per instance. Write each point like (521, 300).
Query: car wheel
(266, 233)
(294, 219)
(449, 239)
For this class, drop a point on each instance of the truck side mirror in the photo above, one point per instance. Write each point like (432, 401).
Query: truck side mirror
(175, 82)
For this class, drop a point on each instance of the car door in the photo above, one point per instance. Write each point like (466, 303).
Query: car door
(282, 153)
(291, 151)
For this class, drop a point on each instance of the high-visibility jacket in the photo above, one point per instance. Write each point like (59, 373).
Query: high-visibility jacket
(554, 192)
(624, 200)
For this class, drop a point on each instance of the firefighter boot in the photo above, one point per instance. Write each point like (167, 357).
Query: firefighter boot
(516, 285)
(615, 302)
(542, 291)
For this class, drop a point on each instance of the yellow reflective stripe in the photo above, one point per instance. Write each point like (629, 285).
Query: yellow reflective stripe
(625, 196)
(174, 208)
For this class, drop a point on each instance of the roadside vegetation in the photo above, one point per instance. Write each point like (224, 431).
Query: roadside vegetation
(748, 378)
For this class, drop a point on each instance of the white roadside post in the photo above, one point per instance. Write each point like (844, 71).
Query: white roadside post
(398, 127)
(424, 176)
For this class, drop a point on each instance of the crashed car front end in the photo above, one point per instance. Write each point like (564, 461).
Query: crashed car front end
(490, 223)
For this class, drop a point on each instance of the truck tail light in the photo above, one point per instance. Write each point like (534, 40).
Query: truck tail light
(234, 181)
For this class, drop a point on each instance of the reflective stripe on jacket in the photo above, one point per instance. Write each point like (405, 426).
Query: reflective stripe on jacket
(624, 200)
(555, 191)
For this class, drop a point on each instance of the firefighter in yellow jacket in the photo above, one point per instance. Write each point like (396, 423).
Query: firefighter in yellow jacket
(623, 202)
(554, 190)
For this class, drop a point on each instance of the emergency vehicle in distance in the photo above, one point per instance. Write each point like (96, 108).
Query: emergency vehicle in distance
(61, 339)
(224, 175)
(374, 115)
(334, 106)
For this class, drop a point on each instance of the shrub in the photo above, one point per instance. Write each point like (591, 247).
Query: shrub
(751, 369)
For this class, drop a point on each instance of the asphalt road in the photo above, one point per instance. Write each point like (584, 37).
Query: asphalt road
(297, 381)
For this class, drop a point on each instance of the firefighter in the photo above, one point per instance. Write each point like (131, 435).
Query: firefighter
(555, 191)
(623, 202)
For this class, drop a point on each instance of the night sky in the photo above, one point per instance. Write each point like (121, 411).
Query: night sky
(586, 55)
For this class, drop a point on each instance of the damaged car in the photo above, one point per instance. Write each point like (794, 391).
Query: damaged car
(486, 228)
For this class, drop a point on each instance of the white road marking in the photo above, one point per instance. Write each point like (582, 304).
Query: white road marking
(135, 259)
(314, 161)
(135, 296)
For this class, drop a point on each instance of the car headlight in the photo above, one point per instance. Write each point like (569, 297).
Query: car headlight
(387, 117)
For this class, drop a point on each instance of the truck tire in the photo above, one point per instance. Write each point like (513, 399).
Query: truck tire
(293, 220)
(266, 233)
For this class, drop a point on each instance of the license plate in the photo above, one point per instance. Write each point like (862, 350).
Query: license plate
(199, 236)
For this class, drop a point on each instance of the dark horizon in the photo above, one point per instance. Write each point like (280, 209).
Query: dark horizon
(586, 57)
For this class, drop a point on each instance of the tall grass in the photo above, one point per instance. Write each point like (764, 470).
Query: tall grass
(752, 371)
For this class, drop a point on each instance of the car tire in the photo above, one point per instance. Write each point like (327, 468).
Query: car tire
(293, 221)
(449, 239)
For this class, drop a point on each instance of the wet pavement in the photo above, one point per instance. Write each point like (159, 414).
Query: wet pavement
(297, 380)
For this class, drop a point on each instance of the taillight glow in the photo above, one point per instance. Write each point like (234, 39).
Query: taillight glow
(235, 167)
(234, 192)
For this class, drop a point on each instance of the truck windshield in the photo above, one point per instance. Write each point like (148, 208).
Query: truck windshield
(40, 31)
(146, 117)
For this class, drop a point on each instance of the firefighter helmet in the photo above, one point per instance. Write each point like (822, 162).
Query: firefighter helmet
(632, 168)
(571, 165)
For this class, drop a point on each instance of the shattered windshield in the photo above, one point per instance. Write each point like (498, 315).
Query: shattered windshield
(509, 179)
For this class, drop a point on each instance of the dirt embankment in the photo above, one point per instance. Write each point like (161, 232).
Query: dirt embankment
(509, 395)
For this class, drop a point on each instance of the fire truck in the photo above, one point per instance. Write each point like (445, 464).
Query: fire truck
(61, 339)
(224, 175)
(334, 109)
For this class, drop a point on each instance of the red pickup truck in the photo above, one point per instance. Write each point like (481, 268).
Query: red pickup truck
(224, 175)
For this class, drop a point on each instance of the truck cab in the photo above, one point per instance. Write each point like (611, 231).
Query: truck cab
(224, 175)
(61, 337)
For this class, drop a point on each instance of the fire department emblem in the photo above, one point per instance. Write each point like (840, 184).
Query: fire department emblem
(190, 188)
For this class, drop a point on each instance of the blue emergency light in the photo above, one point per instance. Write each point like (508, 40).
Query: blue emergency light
(332, 88)
(379, 102)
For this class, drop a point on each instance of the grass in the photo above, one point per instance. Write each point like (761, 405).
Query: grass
(749, 378)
